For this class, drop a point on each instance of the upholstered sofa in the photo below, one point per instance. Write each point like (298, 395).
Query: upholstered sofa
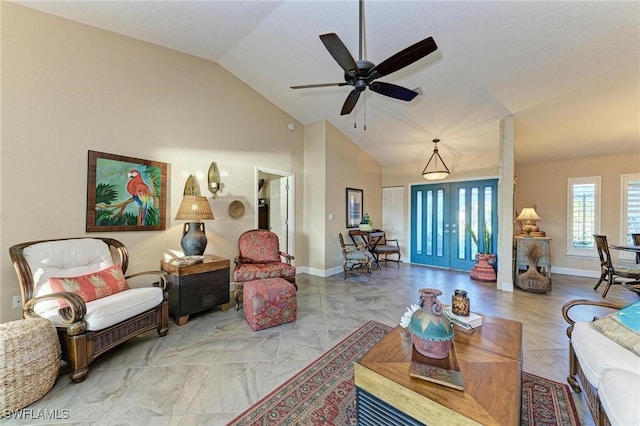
(604, 361)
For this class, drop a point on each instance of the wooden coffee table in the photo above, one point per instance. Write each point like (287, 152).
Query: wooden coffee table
(490, 361)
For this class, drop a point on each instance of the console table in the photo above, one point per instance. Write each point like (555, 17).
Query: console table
(198, 287)
(491, 365)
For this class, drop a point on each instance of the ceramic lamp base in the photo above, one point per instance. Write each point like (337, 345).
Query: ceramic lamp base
(194, 240)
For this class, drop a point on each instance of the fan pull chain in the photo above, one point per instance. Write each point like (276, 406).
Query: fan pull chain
(365, 113)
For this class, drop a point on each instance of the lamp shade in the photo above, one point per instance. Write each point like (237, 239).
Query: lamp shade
(194, 208)
(435, 168)
(528, 214)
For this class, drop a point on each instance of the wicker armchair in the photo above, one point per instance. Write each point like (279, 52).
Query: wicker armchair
(88, 329)
(577, 378)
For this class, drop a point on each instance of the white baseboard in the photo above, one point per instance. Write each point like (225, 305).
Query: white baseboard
(319, 272)
(576, 272)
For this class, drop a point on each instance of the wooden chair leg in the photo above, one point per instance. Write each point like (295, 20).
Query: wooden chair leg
(609, 284)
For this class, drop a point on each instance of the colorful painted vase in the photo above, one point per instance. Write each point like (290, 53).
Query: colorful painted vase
(431, 332)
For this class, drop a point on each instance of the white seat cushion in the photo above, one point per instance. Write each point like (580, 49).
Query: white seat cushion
(107, 311)
(597, 353)
(619, 394)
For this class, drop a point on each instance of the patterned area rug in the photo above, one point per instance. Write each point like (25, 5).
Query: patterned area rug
(324, 392)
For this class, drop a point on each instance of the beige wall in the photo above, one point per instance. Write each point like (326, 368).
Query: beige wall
(314, 183)
(348, 166)
(545, 185)
(68, 88)
(332, 164)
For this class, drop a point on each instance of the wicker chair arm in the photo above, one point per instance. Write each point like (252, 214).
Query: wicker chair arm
(584, 302)
(164, 284)
(74, 312)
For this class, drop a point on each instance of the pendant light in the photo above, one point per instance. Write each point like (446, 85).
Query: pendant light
(438, 170)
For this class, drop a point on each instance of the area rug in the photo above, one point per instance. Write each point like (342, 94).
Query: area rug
(324, 392)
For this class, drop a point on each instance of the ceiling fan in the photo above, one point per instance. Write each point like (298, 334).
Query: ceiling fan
(362, 73)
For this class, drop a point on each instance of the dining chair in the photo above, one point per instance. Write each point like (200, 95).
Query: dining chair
(636, 242)
(355, 258)
(387, 247)
(609, 272)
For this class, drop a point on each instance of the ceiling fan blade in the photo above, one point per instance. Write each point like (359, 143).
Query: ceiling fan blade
(350, 102)
(393, 90)
(403, 58)
(339, 51)
(309, 86)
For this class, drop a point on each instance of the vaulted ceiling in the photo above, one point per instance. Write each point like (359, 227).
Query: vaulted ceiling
(569, 72)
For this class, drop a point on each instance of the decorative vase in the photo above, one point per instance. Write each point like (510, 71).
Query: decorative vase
(194, 240)
(483, 269)
(460, 303)
(431, 332)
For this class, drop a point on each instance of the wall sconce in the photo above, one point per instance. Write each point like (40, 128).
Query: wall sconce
(214, 179)
(191, 187)
(194, 209)
(529, 214)
(435, 172)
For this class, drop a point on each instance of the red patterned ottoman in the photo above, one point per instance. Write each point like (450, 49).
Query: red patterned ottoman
(269, 302)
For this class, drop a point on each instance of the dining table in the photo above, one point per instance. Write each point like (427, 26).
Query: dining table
(631, 248)
(370, 239)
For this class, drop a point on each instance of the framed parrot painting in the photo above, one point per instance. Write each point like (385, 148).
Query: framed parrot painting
(125, 194)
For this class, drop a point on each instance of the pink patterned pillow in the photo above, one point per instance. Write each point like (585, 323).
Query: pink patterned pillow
(92, 286)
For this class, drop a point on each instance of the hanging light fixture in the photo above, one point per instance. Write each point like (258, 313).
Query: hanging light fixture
(438, 170)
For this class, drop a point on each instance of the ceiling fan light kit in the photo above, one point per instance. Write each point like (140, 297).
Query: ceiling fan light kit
(362, 73)
(437, 170)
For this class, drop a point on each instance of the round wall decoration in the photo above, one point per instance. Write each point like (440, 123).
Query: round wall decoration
(236, 209)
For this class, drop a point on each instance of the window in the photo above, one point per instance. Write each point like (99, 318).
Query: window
(583, 215)
(630, 221)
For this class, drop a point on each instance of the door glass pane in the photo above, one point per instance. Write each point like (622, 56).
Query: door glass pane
(429, 224)
(487, 213)
(474, 220)
(462, 221)
(419, 219)
(440, 222)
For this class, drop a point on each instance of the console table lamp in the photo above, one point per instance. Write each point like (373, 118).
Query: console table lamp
(529, 215)
(194, 209)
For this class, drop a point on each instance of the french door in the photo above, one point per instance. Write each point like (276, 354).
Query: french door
(442, 213)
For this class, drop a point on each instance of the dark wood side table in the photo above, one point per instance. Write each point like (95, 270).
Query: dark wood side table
(196, 288)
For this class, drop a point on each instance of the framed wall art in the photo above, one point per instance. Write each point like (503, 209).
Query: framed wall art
(354, 207)
(125, 193)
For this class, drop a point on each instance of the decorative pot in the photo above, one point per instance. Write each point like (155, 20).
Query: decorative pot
(431, 332)
(483, 269)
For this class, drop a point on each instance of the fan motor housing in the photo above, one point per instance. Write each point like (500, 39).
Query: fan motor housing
(364, 67)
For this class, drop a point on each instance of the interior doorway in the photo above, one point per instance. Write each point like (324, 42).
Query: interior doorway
(275, 199)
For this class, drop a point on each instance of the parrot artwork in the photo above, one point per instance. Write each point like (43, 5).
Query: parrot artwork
(141, 195)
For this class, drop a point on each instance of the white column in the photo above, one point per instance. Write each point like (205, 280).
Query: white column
(505, 205)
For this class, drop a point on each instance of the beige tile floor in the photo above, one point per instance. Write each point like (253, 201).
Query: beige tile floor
(214, 367)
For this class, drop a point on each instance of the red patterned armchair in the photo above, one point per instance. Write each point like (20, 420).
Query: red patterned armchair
(260, 257)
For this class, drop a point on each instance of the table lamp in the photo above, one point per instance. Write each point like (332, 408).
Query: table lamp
(194, 209)
(529, 215)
